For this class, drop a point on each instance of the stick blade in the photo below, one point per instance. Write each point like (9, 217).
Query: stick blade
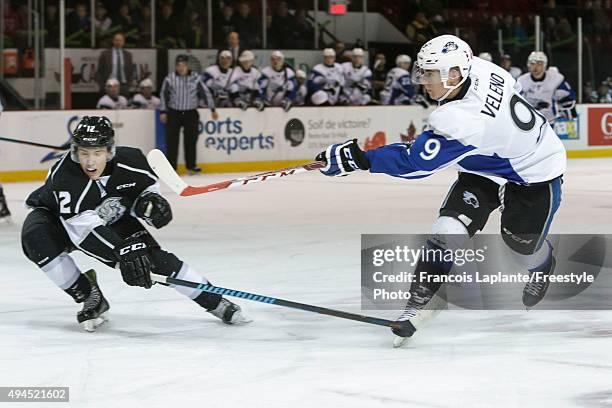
(162, 167)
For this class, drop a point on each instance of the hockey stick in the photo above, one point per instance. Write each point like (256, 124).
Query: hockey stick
(65, 146)
(405, 325)
(160, 165)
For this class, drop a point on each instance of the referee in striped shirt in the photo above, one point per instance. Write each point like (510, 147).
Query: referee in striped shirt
(181, 94)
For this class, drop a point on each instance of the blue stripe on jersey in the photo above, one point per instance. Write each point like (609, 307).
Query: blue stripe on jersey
(493, 165)
(427, 154)
(555, 198)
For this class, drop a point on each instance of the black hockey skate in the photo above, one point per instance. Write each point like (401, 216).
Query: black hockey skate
(229, 313)
(94, 306)
(536, 288)
(404, 327)
(5, 214)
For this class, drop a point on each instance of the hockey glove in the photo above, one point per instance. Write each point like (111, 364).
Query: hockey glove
(259, 105)
(135, 262)
(154, 209)
(243, 105)
(542, 105)
(287, 104)
(342, 159)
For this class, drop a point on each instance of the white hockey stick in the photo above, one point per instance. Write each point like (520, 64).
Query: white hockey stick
(162, 167)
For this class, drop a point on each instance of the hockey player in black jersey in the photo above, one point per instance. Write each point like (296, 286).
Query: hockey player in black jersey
(92, 201)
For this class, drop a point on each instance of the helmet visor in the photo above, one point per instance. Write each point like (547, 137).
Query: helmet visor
(425, 76)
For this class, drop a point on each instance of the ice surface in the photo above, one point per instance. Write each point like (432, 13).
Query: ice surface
(299, 239)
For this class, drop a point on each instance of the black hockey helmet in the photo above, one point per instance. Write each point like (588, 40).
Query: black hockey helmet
(93, 131)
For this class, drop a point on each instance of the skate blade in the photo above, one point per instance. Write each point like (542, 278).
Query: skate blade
(399, 341)
(241, 318)
(91, 325)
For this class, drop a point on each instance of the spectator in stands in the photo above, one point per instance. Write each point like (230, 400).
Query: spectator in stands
(247, 26)
(281, 28)
(116, 63)
(145, 98)
(604, 95)
(225, 25)
(126, 24)
(379, 74)
(112, 99)
(419, 31)
(144, 27)
(166, 29)
(102, 23)
(506, 63)
(233, 46)
(78, 27)
(195, 35)
(342, 54)
(303, 31)
(51, 25)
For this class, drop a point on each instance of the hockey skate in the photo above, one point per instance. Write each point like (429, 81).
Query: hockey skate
(415, 315)
(5, 214)
(536, 288)
(230, 313)
(94, 307)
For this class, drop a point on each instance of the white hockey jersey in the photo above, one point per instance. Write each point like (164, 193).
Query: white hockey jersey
(219, 81)
(357, 83)
(106, 102)
(398, 88)
(546, 93)
(244, 85)
(328, 79)
(276, 86)
(140, 102)
(488, 129)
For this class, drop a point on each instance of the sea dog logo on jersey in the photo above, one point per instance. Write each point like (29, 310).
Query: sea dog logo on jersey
(111, 210)
(294, 132)
(470, 199)
(449, 46)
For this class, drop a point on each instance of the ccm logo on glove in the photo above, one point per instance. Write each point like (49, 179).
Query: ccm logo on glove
(131, 248)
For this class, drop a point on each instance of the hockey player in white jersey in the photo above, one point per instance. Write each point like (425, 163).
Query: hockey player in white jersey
(112, 99)
(145, 98)
(357, 80)
(399, 89)
(507, 156)
(5, 214)
(302, 92)
(244, 89)
(546, 89)
(218, 78)
(326, 80)
(277, 84)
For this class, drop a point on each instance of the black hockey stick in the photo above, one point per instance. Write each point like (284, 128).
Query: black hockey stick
(405, 326)
(65, 146)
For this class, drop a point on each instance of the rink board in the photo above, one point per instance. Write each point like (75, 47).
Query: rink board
(257, 141)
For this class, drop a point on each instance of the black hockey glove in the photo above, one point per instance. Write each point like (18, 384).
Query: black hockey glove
(154, 209)
(343, 158)
(135, 262)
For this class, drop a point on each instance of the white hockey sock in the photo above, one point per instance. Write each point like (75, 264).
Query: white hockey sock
(189, 274)
(62, 271)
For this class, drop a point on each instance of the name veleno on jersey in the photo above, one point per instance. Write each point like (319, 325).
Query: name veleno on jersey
(493, 101)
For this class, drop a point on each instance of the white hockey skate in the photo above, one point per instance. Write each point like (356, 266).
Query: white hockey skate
(230, 313)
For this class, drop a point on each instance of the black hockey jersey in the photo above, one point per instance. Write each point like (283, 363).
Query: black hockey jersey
(87, 209)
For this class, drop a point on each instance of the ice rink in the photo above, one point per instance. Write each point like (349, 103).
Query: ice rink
(299, 239)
